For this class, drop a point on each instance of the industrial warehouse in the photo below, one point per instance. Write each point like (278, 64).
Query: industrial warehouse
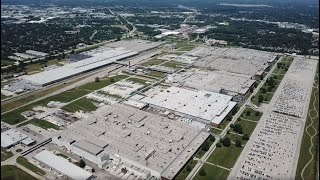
(124, 137)
(204, 106)
(91, 60)
(214, 81)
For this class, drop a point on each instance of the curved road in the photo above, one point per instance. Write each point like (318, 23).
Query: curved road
(311, 125)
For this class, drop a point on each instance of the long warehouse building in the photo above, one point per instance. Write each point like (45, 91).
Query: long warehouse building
(99, 58)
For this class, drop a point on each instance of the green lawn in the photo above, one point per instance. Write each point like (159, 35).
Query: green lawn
(225, 156)
(252, 115)
(247, 126)
(156, 74)
(215, 131)
(173, 64)
(83, 104)
(152, 62)
(212, 173)
(44, 124)
(234, 137)
(310, 171)
(200, 152)
(5, 154)
(24, 162)
(223, 124)
(10, 172)
(184, 172)
(138, 80)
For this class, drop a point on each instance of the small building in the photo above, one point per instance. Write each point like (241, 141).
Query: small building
(12, 137)
(63, 166)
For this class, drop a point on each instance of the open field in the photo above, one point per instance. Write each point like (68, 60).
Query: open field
(81, 104)
(184, 172)
(10, 172)
(247, 126)
(212, 173)
(173, 64)
(24, 162)
(156, 74)
(152, 62)
(305, 156)
(5, 155)
(138, 80)
(225, 156)
(215, 130)
(252, 115)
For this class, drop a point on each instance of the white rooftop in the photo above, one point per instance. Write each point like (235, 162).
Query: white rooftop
(62, 165)
(202, 104)
(102, 56)
(11, 137)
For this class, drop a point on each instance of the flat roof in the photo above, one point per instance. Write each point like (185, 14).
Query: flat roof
(133, 134)
(212, 81)
(202, 104)
(62, 165)
(88, 146)
(100, 57)
(11, 137)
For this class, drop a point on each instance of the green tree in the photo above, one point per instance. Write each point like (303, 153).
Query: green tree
(188, 168)
(212, 138)
(97, 79)
(257, 113)
(238, 143)
(82, 164)
(263, 90)
(245, 137)
(226, 142)
(205, 146)
(260, 99)
(202, 172)
(248, 113)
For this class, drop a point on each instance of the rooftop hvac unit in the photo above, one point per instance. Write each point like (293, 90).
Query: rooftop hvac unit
(148, 132)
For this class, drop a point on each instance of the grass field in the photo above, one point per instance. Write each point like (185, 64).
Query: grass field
(215, 131)
(184, 172)
(24, 162)
(5, 154)
(225, 156)
(44, 124)
(156, 74)
(305, 156)
(252, 115)
(234, 137)
(173, 64)
(212, 173)
(152, 62)
(83, 104)
(247, 126)
(10, 172)
(138, 80)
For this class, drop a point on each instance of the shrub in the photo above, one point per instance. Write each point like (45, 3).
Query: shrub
(226, 142)
(238, 143)
(202, 172)
(218, 145)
